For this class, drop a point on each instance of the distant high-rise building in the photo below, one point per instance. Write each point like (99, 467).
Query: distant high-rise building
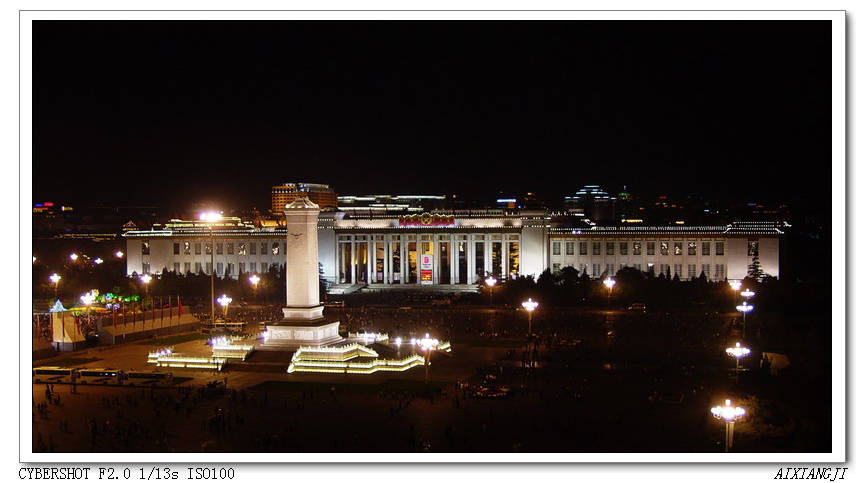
(321, 194)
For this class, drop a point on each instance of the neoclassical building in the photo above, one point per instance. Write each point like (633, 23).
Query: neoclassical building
(459, 247)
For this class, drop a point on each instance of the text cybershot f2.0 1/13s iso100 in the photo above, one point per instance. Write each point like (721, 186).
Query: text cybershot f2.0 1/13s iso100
(146, 474)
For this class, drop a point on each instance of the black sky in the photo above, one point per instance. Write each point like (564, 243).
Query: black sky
(176, 112)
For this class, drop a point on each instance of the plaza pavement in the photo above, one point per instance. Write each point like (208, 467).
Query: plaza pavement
(606, 396)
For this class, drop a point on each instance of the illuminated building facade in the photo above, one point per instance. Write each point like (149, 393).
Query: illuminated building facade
(461, 247)
(321, 194)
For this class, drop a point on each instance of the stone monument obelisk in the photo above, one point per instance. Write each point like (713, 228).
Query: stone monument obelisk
(303, 323)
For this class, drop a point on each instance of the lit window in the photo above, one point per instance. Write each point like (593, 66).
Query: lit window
(241, 249)
(753, 249)
(637, 248)
(275, 249)
(677, 248)
(692, 248)
(665, 248)
(187, 249)
(145, 248)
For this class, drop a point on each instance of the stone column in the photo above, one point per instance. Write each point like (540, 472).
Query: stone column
(301, 260)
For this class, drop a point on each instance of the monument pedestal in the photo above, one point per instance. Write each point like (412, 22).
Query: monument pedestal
(302, 326)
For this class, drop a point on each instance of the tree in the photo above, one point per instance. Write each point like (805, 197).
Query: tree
(755, 271)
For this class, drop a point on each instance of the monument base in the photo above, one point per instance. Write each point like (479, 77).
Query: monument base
(294, 333)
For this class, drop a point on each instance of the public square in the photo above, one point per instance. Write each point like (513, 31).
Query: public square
(591, 381)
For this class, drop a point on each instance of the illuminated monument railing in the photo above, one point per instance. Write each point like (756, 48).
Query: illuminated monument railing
(227, 348)
(368, 336)
(342, 360)
(190, 362)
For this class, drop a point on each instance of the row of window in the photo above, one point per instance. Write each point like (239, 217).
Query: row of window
(243, 248)
(637, 247)
(510, 237)
(220, 267)
(609, 269)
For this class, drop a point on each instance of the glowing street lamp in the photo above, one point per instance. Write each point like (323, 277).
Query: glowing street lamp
(530, 307)
(729, 414)
(224, 301)
(88, 300)
(211, 217)
(744, 308)
(73, 257)
(491, 282)
(735, 285)
(609, 283)
(428, 345)
(254, 279)
(145, 279)
(56, 280)
(119, 254)
(738, 352)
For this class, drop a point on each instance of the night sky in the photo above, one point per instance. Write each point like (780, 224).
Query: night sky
(173, 113)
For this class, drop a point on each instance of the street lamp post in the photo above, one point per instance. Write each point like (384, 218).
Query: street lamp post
(224, 301)
(530, 306)
(729, 414)
(56, 280)
(609, 283)
(738, 352)
(428, 345)
(748, 293)
(254, 279)
(744, 308)
(491, 282)
(210, 218)
(88, 300)
(145, 279)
